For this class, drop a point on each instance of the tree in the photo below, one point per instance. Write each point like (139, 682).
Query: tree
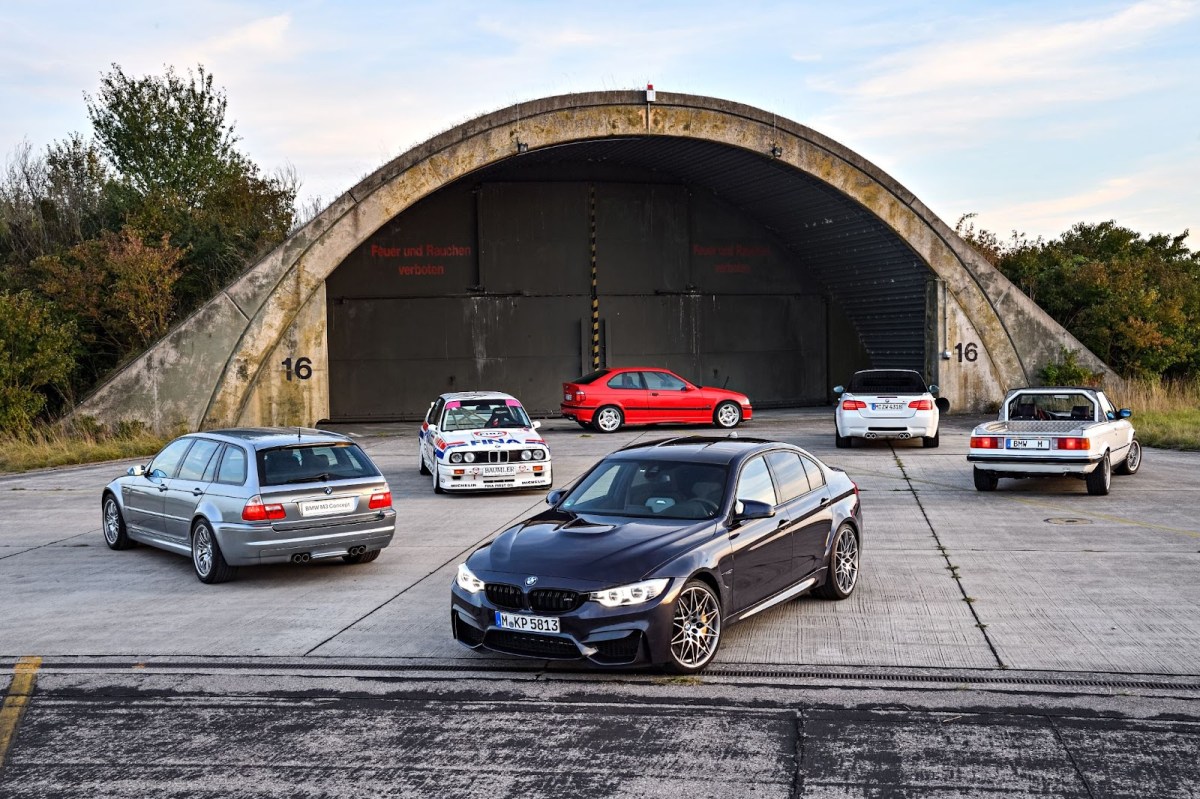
(35, 355)
(181, 176)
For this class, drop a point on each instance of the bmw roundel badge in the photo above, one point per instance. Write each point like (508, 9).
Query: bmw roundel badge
(328, 490)
(530, 580)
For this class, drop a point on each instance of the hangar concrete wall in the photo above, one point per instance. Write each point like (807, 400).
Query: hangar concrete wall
(225, 364)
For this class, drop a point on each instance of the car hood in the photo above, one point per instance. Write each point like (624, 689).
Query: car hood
(490, 437)
(606, 549)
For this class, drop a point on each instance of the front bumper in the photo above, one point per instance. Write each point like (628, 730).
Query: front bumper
(472, 477)
(256, 544)
(624, 636)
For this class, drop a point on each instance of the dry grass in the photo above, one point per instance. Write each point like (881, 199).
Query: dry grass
(1166, 413)
(59, 446)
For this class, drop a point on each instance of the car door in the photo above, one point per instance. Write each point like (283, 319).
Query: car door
(628, 390)
(429, 431)
(762, 548)
(187, 487)
(1117, 432)
(813, 515)
(673, 399)
(142, 496)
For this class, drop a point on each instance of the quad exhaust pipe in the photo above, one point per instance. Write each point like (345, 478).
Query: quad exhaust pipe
(305, 557)
(357, 550)
(301, 557)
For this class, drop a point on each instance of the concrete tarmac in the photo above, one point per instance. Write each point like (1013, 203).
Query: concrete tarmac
(1035, 641)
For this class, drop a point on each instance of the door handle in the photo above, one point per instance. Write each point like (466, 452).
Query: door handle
(162, 488)
(197, 492)
(824, 502)
(654, 393)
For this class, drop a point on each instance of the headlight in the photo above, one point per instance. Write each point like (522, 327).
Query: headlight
(539, 454)
(468, 581)
(526, 455)
(456, 458)
(469, 457)
(632, 594)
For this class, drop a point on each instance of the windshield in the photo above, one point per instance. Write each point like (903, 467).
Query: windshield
(311, 463)
(650, 488)
(476, 414)
(886, 382)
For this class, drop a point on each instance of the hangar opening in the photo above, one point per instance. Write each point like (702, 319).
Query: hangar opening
(719, 263)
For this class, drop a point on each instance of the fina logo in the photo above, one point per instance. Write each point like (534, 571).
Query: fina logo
(530, 581)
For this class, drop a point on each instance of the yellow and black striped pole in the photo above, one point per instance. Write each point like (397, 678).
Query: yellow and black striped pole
(595, 296)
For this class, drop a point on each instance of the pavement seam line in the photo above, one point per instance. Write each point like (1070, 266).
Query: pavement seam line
(954, 572)
(457, 556)
(798, 774)
(20, 691)
(1087, 786)
(47, 544)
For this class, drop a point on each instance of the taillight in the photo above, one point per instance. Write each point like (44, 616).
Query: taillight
(1072, 443)
(256, 511)
(383, 499)
(921, 405)
(853, 405)
(985, 442)
(579, 395)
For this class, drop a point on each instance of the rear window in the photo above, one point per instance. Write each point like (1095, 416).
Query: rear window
(886, 382)
(311, 463)
(590, 377)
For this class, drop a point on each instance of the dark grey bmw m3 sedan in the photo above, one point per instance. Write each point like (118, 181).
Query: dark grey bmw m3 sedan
(658, 547)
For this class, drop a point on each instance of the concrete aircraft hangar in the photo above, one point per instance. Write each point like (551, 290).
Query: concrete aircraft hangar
(530, 245)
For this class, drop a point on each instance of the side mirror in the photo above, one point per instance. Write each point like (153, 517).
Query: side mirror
(136, 471)
(839, 389)
(555, 496)
(536, 425)
(1125, 413)
(934, 389)
(943, 405)
(746, 509)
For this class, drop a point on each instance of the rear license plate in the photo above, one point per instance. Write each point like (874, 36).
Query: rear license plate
(887, 406)
(1029, 443)
(328, 507)
(527, 624)
(499, 469)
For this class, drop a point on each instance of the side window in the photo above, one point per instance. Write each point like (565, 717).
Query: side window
(1107, 408)
(661, 381)
(755, 482)
(789, 474)
(435, 413)
(165, 462)
(626, 380)
(197, 459)
(233, 467)
(816, 478)
(210, 471)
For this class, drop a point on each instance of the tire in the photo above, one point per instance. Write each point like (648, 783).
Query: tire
(608, 419)
(695, 628)
(112, 524)
(207, 559)
(421, 463)
(437, 487)
(1133, 459)
(932, 441)
(365, 557)
(840, 441)
(844, 565)
(727, 415)
(1100, 479)
(985, 481)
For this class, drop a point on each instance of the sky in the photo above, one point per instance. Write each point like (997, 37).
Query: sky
(1033, 114)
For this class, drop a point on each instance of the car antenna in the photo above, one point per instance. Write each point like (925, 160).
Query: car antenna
(298, 438)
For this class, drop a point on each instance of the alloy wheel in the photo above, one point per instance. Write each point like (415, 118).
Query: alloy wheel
(608, 420)
(112, 522)
(728, 415)
(845, 561)
(696, 629)
(202, 550)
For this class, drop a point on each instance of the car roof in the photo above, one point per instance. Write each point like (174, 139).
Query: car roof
(1054, 388)
(477, 395)
(267, 437)
(699, 449)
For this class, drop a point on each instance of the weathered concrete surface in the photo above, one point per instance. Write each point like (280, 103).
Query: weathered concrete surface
(211, 370)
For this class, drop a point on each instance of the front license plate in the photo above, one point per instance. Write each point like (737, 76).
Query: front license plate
(1029, 443)
(527, 624)
(887, 406)
(499, 469)
(328, 507)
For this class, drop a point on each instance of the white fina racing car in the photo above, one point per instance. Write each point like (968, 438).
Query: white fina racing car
(478, 440)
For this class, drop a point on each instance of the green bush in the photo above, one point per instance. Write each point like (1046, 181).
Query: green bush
(35, 356)
(1068, 371)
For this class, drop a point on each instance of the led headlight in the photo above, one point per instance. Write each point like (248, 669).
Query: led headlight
(456, 458)
(468, 581)
(632, 594)
(469, 457)
(526, 455)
